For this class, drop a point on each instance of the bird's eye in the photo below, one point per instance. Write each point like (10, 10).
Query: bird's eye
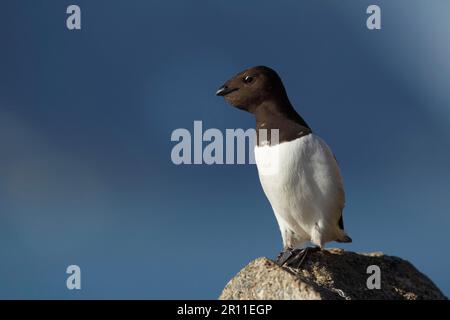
(248, 79)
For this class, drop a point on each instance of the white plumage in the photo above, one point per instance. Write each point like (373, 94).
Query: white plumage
(303, 183)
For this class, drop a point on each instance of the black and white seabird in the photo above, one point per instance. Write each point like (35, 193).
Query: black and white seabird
(306, 191)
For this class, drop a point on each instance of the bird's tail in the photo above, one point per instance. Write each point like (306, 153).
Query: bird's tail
(345, 239)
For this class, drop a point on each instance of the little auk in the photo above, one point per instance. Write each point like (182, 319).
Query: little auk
(306, 190)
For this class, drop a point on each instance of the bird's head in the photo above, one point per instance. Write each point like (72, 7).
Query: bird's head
(252, 87)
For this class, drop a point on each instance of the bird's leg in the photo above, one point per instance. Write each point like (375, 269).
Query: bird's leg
(300, 255)
(284, 256)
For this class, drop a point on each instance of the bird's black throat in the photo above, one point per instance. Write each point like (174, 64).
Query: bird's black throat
(279, 114)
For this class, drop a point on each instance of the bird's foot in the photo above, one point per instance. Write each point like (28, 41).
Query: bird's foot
(295, 258)
(284, 256)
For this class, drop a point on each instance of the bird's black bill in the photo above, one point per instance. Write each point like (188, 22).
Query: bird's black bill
(224, 90)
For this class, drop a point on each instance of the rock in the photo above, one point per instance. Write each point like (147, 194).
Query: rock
(331, 275)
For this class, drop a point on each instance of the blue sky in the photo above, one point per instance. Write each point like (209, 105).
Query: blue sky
(86, 118)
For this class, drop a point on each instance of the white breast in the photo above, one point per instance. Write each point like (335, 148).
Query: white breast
(302, 181)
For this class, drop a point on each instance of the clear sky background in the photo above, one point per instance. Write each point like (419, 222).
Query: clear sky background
(86, 118)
